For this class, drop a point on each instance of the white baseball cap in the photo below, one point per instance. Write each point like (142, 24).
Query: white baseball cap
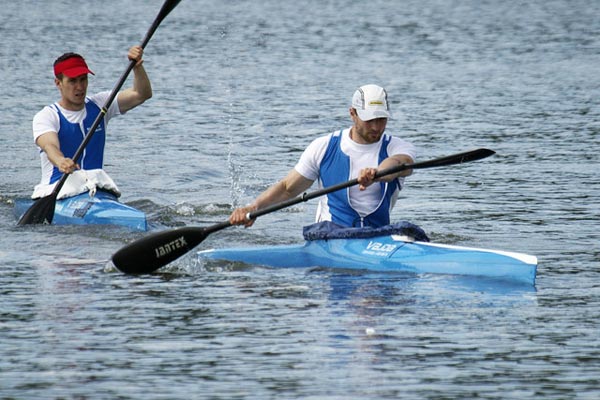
(370, 102)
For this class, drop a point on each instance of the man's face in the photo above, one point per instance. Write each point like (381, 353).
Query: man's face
(72, 90)
(367, 132)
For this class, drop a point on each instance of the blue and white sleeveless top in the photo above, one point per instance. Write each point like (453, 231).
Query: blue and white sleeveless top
(335, 168)
(71, 135)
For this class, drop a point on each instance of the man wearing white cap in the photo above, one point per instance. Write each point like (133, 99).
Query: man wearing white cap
(355, 152)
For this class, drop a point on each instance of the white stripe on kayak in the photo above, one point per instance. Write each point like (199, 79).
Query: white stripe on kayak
(526, 258)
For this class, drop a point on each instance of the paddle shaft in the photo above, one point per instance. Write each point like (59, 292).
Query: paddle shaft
(438, 162)
(157, 250)
(42, 211)
(304, 197)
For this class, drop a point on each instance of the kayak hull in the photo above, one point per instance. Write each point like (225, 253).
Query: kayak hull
(102, 209)
(387, 254)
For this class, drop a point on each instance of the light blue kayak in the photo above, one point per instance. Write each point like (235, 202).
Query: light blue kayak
(386, 254)
(102, 209)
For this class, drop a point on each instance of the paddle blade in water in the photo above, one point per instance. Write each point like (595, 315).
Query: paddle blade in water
(154, 251)
(41, 212)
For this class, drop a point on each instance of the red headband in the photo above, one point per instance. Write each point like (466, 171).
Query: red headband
(72, 67)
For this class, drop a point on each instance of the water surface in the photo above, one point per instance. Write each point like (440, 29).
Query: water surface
(239, 90)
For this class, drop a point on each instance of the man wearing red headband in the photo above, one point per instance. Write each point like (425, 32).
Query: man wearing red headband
(59, 129)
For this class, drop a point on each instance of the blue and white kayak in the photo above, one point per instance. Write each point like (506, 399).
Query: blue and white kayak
(386, 254)
(103, 208)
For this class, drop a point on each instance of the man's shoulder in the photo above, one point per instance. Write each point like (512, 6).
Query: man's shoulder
(45, 120)
(46, 112)
(397, 141)
(398, 145)
(99, 98)
(323, 140)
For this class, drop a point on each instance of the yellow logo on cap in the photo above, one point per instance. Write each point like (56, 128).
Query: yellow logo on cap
(376, 103)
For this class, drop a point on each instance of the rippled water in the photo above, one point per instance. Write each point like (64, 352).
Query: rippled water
(240, 88)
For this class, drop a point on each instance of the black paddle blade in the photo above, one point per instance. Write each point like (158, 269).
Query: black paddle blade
(459, 158)
(41, 212)
(475, 155)
(149, 253)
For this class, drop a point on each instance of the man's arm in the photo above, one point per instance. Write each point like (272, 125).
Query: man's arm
(142, 89)
(290, 186)
(367, 175)
(49, 143)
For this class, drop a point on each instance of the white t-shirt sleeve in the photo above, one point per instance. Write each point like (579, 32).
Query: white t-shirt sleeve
(399, 146)
(310, 160)
(100, 100)
(44, 121)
